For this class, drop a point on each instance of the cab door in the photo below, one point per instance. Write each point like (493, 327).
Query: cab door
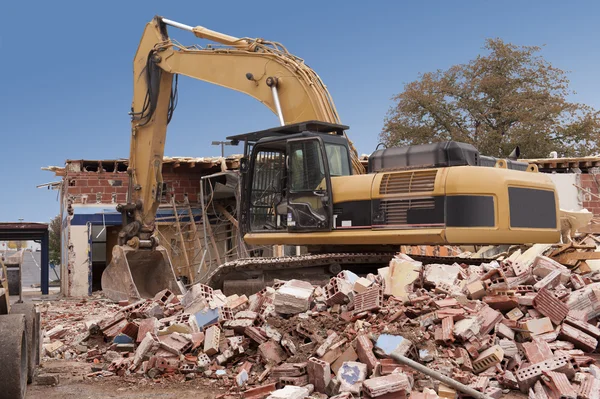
(308, 186)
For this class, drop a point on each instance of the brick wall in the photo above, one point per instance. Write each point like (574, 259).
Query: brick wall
(590, 186)
(110, 187)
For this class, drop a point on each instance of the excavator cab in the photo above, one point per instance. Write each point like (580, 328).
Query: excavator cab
(288, 178)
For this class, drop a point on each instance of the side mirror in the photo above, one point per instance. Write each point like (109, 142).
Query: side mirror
(244, 165)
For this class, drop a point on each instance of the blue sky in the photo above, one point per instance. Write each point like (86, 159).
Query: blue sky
(66, 80)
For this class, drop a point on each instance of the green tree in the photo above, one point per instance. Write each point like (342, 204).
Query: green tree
(510, 96)
(54, 232)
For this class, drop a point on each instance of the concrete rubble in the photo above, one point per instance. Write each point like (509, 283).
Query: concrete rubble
(527, 320)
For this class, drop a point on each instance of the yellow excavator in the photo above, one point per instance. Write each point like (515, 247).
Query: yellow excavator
(302, 182)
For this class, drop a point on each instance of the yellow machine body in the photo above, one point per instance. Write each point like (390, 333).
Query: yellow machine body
(396, 192)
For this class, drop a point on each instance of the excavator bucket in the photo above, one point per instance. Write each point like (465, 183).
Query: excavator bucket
(135, 274)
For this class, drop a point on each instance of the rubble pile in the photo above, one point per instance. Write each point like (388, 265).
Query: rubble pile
(522, 322)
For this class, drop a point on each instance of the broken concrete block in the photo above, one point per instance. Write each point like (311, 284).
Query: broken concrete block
(552, 280)
(211, 340)
(425, 356)
(467, 328)
(475, 290)
(542, 266)
(197, 293)
(446, 392)
(504, 331)
(402, 275)
(331, 338)
(149, 345)
(514, 314)
(272, 352)
(224, 356)
(537, 351)
(272, 333)
(319, 374)
(349, 276)
(361, 284)
(441, 274)
(384, 275)
(293, 297)
(393, 383)
(538, 326)
(580, 339)
(337, 291)
(349, 355)
(289, 392)
(54, 348)
(351, 375)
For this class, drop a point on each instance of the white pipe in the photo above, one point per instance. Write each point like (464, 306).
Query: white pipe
(178, 25)
(277, 104)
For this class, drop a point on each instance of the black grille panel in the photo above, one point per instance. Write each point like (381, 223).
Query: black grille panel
(422, 181)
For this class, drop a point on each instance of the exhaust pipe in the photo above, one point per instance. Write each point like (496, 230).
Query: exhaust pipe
(514, 155)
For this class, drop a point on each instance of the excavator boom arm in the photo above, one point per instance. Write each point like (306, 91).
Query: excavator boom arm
(262, 69)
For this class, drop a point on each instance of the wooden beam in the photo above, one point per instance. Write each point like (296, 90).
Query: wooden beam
(228, 215)
(573, 258)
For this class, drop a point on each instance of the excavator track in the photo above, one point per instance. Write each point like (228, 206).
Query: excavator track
(251, 274)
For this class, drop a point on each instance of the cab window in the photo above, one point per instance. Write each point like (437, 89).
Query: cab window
(306, 166)
(337, 156)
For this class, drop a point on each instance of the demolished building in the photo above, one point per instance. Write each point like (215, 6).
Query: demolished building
(89, 191)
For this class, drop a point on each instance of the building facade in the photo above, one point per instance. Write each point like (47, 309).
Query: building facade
(91, 189)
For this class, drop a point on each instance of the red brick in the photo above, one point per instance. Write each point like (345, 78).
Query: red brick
(448, 330)
(379, 386)
(319, 374)
(463, 358)
(289, 370)
(559, 384)
(537, 351)
(527, 376)
(272, 352)
(369, 300)
(584, 326)
(580, 339)
(364, 350)
(548, 305)
(501, 302)
(295, 381)
(589, 388)
(260, 392)
(490, 318)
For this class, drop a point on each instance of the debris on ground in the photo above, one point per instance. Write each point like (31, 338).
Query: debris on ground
(526, 320)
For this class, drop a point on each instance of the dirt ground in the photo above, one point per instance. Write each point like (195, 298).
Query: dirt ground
(73, 385)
